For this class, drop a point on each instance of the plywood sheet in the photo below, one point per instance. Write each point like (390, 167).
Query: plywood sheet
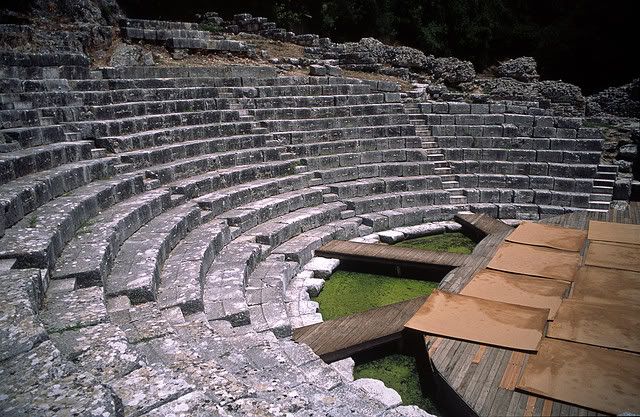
(607, 286)
(588, 376)
(613, 255)
(614, 232)
(481, 321)
(603, 325)
(536, 261)
(549, 236)
(518, 289)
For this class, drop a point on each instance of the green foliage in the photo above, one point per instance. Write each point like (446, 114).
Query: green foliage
(400, 373)
(211, 27)
(353, 292)
(446, 242)
(33, 221)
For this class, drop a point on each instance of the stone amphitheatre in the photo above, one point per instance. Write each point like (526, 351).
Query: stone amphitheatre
(165, 189)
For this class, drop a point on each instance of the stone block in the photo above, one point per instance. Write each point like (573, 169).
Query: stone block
(391, 236)
(317, 70)
(459, 108)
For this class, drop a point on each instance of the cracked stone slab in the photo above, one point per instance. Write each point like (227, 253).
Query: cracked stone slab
(42, 383)
(376, 389)
(20, 328)
(322, 375)
(283, 405)
(344, 400)
(193, 404)
(147, 388)
(215, 381)
(102, 350)
(79, 308)
(146, 322)
(345, 368)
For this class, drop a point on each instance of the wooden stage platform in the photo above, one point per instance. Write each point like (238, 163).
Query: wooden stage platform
(340, 338)
(480, 380)
(470, 379)
(366, 252)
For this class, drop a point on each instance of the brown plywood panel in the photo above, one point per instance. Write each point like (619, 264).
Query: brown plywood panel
(613, 255)
(607, 286)
(481, 321)
(603, 325)
(614, 232)
(536, 261)
(518, 289)
(592, 377)
(549, 236)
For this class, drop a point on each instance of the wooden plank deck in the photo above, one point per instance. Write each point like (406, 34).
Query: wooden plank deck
(390, 255)
(343, 337)
(484, 377)
(480, 225)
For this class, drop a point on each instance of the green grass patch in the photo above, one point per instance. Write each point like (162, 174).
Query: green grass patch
(446, 242)
(400, 373)
(353, 292)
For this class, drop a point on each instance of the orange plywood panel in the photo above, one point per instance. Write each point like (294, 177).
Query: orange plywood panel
(603, 325)
(613, 255)
(607, 286)
(481, 321)
(549, 236)
(614, 232)
(518, 289)
(592, 377)
(536, 261)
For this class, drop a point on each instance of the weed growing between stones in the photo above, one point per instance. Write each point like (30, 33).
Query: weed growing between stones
(33, 221)
(348, 292)
(399, 372)
(446, 242)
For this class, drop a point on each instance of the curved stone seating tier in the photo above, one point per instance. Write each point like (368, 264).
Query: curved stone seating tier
(370, 169)
(265, 103)
(330, 110)
(20, 163)
(178, 133)
(37, 240)
(19, 197)
(126, 125)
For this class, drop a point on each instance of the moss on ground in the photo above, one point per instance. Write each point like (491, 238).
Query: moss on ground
(446, 242)
(400, 373)
(353, 292)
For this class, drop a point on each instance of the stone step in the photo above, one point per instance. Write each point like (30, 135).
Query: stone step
(23, 162)
(602, 189)
(98, 153)
(452, 187)
(599, 205)
(37, 240)
(457, 199)
(183, 275)
(600, 197)
(602, 182)
(143, 254)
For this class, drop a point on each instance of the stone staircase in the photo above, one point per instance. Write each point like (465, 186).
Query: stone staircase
(435, 154)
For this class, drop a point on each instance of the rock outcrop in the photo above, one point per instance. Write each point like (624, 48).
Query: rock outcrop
(126, 55)
(623, 101)
(93, 12)
(522, 69)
